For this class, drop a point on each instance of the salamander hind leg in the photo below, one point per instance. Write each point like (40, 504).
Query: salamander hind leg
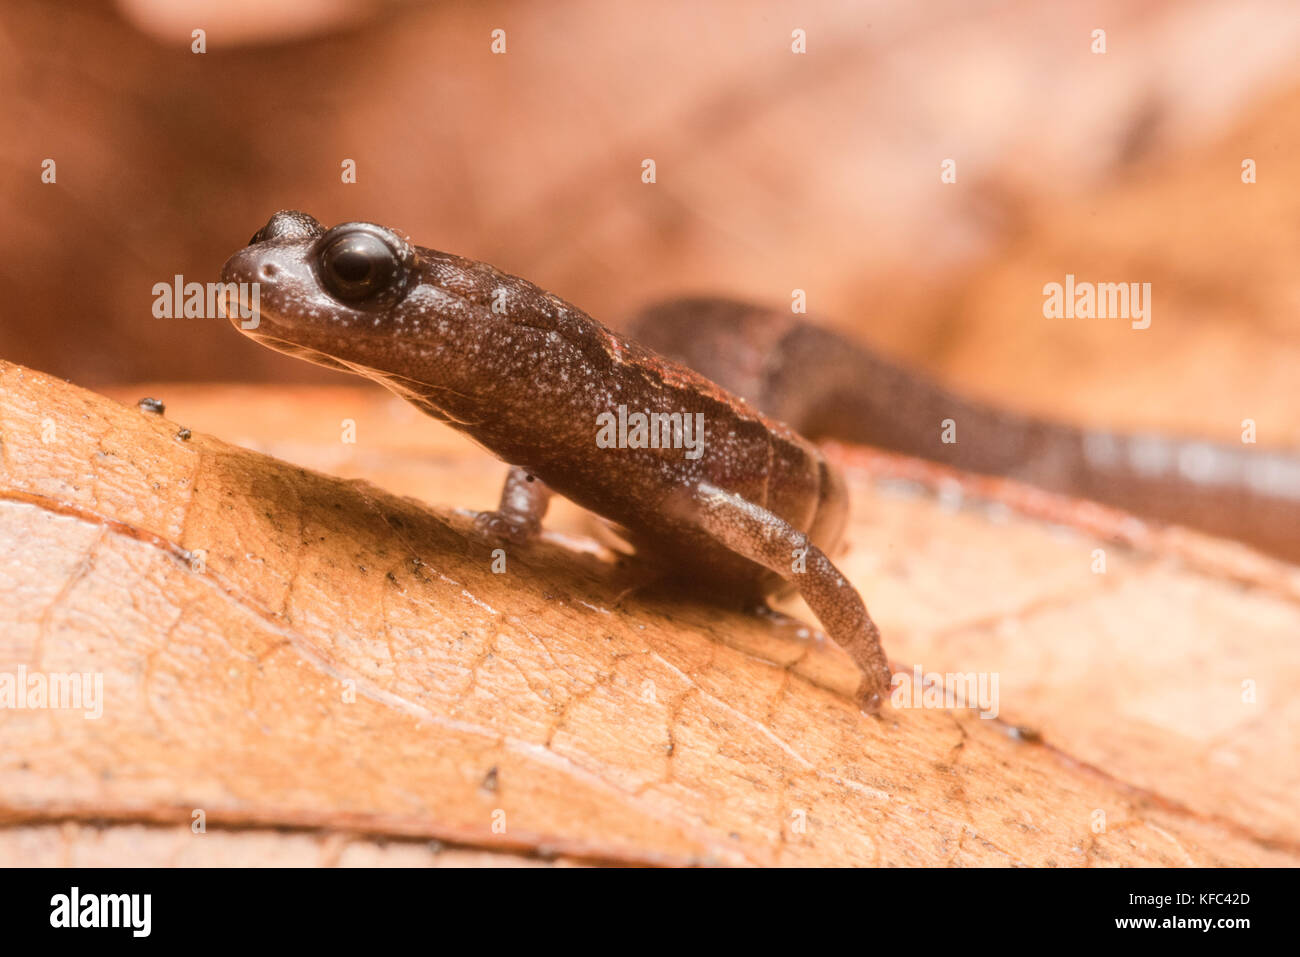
(766, 539)
(524, 500)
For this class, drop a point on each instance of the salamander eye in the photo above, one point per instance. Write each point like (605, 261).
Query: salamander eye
(359, 266)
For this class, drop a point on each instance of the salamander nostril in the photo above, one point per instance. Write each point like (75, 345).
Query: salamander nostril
(267, 271)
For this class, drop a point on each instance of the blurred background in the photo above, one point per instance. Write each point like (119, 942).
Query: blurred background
(775, 171)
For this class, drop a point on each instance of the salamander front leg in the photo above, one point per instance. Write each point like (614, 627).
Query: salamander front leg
(764, 538)
(524, 499)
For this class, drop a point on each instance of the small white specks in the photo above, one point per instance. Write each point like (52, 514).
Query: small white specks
(482, 604)
(950, 495)
(1101, 449)
(1274, 475)
(1201, 462)
(998, 513)
(1149, 455)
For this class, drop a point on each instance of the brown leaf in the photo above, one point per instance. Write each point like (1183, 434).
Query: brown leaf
(587, 724)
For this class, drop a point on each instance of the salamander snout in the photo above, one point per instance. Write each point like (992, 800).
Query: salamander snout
(277, 254)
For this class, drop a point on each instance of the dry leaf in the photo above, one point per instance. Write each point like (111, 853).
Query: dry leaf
(332, 673)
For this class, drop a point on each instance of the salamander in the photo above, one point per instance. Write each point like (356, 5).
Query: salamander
(694, 435)
(827, 386)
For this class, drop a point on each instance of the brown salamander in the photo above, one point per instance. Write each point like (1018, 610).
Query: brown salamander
(722, 486)
(829, 387)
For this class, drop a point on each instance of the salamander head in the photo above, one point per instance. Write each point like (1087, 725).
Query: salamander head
(323, 295)
(360, 296)
(451, 334)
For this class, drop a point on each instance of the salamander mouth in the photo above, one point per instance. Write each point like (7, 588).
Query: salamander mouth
(301, 352)
(420, 393)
